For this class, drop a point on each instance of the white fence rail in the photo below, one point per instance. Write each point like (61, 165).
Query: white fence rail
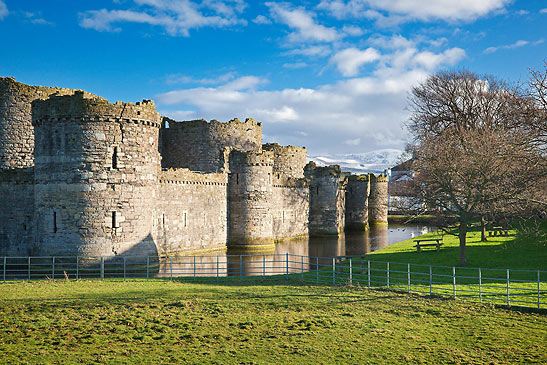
(523, 288)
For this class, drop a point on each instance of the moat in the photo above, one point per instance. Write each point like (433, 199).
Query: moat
(304, 254)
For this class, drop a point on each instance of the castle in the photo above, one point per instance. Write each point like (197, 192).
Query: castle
(82, 176)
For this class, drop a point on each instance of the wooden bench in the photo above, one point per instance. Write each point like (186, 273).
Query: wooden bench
(437, 243)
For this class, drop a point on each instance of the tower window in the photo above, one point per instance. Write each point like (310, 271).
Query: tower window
(317, 190)
(184, 219)
(237, 178)
(54, 222)
(115, 158)
(114, 220)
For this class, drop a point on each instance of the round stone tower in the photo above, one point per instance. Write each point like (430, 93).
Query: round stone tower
(377, 200)
(96, 173)
(250, 200)
(16, 132)
(357, 192)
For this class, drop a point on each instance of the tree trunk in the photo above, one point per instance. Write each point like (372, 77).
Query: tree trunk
(483, 230)
(463, 236)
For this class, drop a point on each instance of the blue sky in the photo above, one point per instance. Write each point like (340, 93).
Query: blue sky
(330, 75)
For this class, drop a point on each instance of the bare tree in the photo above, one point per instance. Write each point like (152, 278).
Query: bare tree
(477, 150)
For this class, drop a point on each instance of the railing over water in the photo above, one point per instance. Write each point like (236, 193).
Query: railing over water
(522, 288)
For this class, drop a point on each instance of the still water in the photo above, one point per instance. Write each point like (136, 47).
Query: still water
(321, 250)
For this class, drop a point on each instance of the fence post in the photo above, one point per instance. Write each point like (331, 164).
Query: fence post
(368, 275)
(217, 267)
(334, 271)
(408, 275)
(147, 268)
(264, 266)
(5, 259)
(480, 285)
(350, 272)
(507, 287)
(387, 275)
(29, 268)
(171, 268)
(240, 266)
(124, 269)
(53, 268)
(430, 280)
(287, 264)
(194, 267)
(102, 268)
(302, 267)
(77, 266)
(317, 268)
(539, 305)
(454, 281)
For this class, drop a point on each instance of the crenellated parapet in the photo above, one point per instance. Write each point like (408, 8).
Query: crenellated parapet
(288, 160)
(199, 145)
(378, 204)
(357, 195)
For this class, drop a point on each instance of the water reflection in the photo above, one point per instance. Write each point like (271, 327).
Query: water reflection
(236, 263)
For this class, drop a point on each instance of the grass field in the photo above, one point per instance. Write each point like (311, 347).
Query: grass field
(251, 322)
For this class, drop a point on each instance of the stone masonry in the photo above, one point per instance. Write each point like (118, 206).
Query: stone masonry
(82, 176)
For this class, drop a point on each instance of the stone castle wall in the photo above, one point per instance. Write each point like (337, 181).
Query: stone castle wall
(199, 145)
(377, 201)
(327, 201)
(96, 173)
(16, 211)
(191, 214)
(290, 211)
(289, 161)
(16, 131)
(357, 193)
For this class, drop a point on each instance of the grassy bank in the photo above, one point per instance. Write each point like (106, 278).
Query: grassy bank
(516, 251)
(160, 321)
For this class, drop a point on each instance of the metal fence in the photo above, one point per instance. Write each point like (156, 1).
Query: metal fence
(523, 288)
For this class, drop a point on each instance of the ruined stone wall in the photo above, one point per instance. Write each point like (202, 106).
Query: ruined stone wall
(290, 208)
(199, 145)
(191, 215)
(327, 201)
(16, 131)
(250, 200)
(16, 212)
(377, 201)
(96, 175)
(357, 192)
(289, 161)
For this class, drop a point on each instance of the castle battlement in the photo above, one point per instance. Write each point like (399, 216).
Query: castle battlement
(82, 176)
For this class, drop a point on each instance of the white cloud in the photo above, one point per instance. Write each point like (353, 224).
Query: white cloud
(517, 44)
(370, 109)
(543, 11)
(312, 51)
(303, 23)
(352, 30)
(405, 10)
(431, 60)
(176, 17)
(349, 60)
(184, 79)
(3, 10)
(261, 19)
(522, 12)
(353, 142)
(295, 65)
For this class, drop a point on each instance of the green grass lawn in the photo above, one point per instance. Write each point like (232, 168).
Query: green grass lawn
(524, 255)
(255, 322)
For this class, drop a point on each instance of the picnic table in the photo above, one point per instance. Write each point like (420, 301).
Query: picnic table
(437, 243)
(498, 231)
